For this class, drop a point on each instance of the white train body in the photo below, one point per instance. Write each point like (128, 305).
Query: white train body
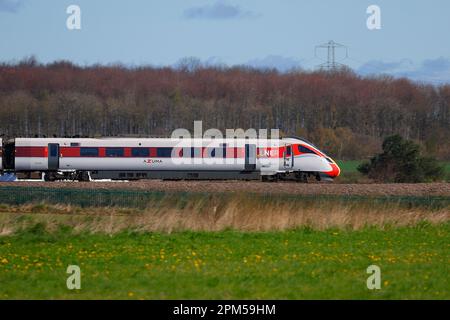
(135, 158)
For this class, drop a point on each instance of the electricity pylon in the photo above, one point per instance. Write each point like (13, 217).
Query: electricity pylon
(331, 64)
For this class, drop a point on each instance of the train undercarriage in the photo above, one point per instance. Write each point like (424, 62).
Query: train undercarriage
(85, 176)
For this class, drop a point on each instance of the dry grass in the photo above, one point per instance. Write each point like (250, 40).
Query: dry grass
(217, 214)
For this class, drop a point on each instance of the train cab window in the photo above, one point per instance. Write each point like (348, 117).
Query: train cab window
(140, 152)
(304, 149)
(164, 152)
(89, 152)
(114, 152)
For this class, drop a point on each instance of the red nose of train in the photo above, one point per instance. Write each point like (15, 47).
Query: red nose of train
(335, 171)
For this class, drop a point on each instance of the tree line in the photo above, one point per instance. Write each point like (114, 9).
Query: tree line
(344, 114)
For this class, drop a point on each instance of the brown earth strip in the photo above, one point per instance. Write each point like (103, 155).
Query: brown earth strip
(419, 189)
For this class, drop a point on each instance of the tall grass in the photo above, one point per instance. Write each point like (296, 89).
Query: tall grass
(217, 213)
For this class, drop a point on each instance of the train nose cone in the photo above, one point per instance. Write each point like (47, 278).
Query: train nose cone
(335, 172)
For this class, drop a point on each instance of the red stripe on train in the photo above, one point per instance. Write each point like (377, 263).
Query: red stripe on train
(31, 152)
(74, 152)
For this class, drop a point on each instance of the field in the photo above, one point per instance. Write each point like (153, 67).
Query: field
(296, 264)
(224, 240)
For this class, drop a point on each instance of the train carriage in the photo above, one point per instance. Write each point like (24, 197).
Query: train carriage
(166, 158)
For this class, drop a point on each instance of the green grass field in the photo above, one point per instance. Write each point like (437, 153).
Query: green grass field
(349, 171)
(296, 264)
(349, 166)
(221, 246)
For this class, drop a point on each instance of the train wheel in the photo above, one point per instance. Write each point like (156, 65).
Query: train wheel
(83, 176)
(301, 177)
(49, 176)
(273, 178)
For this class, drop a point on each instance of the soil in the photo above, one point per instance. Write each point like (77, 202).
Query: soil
(419, 189)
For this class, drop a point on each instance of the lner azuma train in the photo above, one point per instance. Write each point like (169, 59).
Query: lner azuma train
(87, 159)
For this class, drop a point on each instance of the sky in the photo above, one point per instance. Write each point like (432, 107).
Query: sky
(412, 41)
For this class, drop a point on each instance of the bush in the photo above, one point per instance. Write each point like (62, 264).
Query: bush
(401, 161)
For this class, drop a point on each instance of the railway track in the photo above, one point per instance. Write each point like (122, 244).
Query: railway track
(419, 189)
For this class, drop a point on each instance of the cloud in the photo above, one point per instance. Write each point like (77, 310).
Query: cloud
(280, 63)
(378, 66)
(219, 10)
(12, 6)
(430, 70)
(436, 66)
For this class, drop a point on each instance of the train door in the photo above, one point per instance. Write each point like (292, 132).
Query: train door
(1, 154)
(250, 157)
(53, 156)
(288, 156)
(8, 155)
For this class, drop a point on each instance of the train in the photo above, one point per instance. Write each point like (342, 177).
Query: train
(86, 159)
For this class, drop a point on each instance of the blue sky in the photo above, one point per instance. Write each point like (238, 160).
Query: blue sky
(413, 40)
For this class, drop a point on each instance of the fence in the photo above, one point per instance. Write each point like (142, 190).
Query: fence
(143, 199)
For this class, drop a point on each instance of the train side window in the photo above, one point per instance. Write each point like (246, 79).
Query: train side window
(208, 152)
(114, 152)
(196, 152)
(164, 152)
(224, 149)
(140, 152)
(304, 149)
(89, 152)
(218, 153)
